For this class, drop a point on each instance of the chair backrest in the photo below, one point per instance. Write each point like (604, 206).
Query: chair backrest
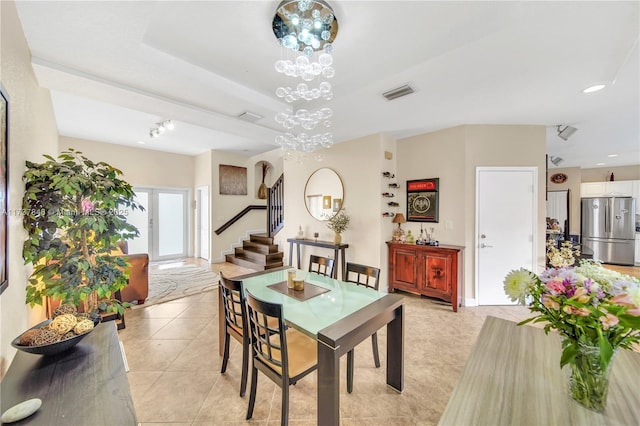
(321, 265)
(366, 276)
(233, 303)
(268, 343)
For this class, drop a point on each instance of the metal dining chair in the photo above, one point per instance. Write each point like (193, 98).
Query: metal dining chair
(321, 265)
(365, 276)
(235, 325)
(281, 353)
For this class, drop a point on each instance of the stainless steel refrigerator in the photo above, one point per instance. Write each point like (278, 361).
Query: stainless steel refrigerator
(608, 229)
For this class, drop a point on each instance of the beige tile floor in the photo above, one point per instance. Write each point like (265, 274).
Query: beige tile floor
(172, 351)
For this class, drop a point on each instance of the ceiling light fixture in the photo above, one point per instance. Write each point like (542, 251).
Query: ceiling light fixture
(612, 155)
(594, 88)
(556, 160)
(306, 30)
(565, 132)
(162, 127)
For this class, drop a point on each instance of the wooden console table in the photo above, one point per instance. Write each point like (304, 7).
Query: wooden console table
(513, 377)
(86, 385)
(338, 252)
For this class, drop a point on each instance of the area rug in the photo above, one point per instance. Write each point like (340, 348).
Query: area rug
(173, 283)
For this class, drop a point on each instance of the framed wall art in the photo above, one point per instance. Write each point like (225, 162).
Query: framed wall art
(422, 200)
(233, 180)
(4, 143)
(326, 202)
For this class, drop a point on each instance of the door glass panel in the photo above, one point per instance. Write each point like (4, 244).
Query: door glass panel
(171, 219)
(140, 219)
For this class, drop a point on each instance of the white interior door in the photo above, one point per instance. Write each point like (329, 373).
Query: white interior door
(202, 231)
(506, 214)
(163, 226)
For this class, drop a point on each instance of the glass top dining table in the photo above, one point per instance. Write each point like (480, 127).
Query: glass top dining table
(339, 318)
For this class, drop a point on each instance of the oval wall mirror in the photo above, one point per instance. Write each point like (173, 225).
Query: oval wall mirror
(324, 194)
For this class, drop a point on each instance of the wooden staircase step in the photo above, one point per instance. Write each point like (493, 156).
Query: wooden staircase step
(259, 248)
(261, 239)
(240, 260)
(260, 258)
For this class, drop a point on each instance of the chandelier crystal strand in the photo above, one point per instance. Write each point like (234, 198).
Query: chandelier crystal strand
(305, 29)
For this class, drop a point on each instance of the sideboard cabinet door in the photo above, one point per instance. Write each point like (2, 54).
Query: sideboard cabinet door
(437, 275)
(427, 270)
(404, 274)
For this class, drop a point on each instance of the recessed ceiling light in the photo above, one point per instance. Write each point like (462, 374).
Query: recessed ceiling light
(141, 142)
(601, 164)
(612, 155)
(594, 88)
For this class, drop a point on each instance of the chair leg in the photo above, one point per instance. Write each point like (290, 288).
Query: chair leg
(252, 392)
(374, 344)
(350, 356)
(225, 356)
(284, 416)
(245, 368)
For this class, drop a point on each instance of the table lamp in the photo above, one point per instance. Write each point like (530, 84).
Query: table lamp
(399, 233)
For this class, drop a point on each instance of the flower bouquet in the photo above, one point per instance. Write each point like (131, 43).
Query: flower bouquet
(595, 310)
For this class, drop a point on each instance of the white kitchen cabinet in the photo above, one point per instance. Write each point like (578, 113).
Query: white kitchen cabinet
(622, 188)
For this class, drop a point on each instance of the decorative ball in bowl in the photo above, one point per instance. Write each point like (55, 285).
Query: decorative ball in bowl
(51, 337)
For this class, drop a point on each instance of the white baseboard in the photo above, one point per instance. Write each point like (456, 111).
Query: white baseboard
(470, 302)
(242, 238)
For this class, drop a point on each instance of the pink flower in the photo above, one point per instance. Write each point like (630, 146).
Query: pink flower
(87, 206)
(608, 321)
(583, 312)
(556, 286)
(623, 299)
(635, 312)
(550, 303)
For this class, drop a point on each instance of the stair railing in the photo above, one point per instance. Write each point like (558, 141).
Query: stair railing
(238, 217)
(275, 207)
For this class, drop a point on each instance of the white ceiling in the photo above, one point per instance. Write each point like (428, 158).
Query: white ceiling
(117, 68)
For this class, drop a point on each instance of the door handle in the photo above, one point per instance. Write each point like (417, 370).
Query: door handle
(483, 245)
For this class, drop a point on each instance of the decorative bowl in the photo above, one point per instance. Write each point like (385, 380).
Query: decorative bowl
(52, 348)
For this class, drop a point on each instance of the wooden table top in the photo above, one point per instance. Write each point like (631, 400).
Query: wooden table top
(513, 377)
(86, 385)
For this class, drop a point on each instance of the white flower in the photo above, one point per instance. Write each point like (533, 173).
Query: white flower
(518, 283)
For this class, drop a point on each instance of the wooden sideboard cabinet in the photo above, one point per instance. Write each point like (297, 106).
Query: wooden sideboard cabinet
(432, 271)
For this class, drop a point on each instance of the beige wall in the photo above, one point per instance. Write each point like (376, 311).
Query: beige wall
(225, 207)
(359, 163)
(140, 167)
(32, 132)
(453, 155)
(601, 174)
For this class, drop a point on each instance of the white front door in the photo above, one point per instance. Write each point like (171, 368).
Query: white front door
(506, 214)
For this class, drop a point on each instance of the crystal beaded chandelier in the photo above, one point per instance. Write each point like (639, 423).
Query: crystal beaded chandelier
(306, 30)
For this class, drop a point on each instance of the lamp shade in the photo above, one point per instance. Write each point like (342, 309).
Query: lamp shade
(399, 218)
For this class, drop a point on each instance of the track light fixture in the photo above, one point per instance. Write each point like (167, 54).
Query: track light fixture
(556, 160)
(163, 126)
(565, 132)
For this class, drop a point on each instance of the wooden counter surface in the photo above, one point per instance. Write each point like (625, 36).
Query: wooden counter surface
(513, 377)
(86, 385)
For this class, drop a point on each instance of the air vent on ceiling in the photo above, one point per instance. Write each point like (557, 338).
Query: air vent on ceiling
(398, 92)
(249, 116)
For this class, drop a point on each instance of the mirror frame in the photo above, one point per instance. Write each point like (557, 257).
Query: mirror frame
(306, 205)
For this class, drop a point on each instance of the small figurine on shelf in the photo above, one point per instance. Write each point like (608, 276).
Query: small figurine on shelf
(393, 204)
(300, 232)
(388, 175)
(410, 239)
(388, 214)
(394, 185)
(388, 194)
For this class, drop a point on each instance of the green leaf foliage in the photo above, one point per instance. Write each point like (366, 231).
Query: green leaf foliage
(75, 211)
